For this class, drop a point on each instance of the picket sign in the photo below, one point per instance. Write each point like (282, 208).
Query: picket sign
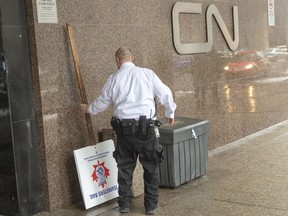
(97, 173)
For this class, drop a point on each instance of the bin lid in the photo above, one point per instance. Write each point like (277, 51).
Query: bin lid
(181, 129)
(181, 123)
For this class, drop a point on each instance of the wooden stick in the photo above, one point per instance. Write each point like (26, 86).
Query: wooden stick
(80, 82)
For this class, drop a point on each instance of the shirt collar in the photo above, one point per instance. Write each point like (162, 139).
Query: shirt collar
(126, 64)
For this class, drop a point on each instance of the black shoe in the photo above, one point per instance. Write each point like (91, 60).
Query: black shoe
(123, 210)
(152, 211)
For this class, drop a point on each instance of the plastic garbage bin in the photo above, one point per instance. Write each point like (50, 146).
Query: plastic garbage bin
(185, 151)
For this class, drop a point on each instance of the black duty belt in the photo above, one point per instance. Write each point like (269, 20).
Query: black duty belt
(143, 126)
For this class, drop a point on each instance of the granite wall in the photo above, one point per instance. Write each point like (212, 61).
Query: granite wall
(236, 103)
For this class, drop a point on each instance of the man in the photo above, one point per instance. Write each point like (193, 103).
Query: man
(132, 91)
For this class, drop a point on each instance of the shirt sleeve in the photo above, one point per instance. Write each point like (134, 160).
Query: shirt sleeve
(164, 96)
(104, 100)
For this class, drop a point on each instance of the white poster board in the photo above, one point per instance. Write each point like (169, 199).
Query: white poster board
(47, 11)
(97, 173)
(271, 13)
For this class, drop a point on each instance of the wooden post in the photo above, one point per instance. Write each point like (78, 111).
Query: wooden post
(80, 83)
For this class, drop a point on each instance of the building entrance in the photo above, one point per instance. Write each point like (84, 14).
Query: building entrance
(20, 173)
(8, 191)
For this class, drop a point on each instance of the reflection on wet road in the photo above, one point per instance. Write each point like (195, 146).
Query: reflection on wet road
(257, 94)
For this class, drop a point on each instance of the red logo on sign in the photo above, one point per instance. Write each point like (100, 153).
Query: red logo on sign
(100, 174)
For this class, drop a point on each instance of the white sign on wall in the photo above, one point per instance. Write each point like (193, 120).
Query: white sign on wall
(47, 11)
(271, 13)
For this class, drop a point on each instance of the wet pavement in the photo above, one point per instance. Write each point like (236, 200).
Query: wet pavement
(246, 177)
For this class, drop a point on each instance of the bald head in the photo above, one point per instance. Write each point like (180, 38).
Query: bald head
(122, 55)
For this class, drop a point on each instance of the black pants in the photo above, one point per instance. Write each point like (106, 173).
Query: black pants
(128, 148)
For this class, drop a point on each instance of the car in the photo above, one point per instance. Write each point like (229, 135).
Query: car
(278, 53)
(247, 63)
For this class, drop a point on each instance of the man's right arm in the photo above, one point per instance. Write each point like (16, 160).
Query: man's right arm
(165, 97)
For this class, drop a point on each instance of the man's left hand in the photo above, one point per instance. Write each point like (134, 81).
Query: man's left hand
(84, 108)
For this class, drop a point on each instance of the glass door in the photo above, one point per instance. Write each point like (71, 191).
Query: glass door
(8, 189)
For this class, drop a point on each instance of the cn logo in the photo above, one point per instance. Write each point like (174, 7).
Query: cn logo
(212, 10)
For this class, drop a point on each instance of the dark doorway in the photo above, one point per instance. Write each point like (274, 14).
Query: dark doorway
(20, 173)
(8, 189)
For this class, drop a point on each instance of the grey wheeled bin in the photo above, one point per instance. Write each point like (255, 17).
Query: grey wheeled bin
(185, 151)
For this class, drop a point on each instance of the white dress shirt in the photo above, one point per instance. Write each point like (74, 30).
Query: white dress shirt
(132, 90)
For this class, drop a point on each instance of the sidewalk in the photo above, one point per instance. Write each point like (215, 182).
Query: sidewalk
(247, 177)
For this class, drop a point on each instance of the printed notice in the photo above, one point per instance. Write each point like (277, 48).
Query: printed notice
(47, 11)
(271, 13)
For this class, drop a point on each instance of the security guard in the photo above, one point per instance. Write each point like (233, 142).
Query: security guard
(132, 91)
